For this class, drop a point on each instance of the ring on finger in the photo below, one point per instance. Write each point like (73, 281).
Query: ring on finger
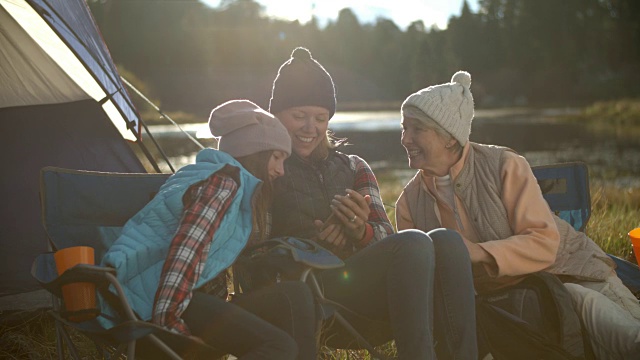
(353, 219)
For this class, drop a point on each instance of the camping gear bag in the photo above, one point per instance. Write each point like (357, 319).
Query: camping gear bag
(282, 258)
(533, 319)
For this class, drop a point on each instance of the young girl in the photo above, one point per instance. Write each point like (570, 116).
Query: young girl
(172, 256)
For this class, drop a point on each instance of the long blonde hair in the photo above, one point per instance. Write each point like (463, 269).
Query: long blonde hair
(258, 165)
(329, 142)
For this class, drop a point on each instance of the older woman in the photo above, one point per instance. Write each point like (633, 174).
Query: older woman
(490, 196)
(389, 279)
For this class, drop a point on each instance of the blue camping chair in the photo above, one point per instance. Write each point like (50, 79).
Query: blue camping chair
(566, 188)
(86, 208)
(89, 208)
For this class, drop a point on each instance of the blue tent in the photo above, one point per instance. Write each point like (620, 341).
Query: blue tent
(62, 103)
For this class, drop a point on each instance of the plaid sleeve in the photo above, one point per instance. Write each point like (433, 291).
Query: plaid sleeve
(203, 211)
(378, 224)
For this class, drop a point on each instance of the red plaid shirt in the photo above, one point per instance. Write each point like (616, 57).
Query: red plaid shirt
(365, 182)
(205, 205)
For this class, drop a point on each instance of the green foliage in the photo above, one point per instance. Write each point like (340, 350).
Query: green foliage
(518, 51)
(615, 212)
(625, 112)
(147, 111)
(619, 117)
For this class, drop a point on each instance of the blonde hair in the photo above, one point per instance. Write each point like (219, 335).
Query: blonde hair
(329, 142)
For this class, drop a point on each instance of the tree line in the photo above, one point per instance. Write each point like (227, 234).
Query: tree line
(520, 52)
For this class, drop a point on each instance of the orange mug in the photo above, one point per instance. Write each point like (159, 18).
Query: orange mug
(634, 236)
(79, 298)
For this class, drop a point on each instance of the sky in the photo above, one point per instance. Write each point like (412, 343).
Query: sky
(402, 12)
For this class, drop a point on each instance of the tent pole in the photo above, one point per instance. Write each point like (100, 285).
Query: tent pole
(162, 114)
(164, 155)
(150, 158)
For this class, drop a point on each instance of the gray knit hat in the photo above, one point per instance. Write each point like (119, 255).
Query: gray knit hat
(302, 81)
(244, 128)
(450, 105)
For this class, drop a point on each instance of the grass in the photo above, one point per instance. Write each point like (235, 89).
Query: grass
(619, 117)
(31, 335)
(615, 212)
(27, 337)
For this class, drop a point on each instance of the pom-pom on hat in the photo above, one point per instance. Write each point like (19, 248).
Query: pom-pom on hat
(449, 104)
(244, 128)
(302, 81)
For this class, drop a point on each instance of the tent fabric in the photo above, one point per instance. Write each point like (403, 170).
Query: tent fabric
(29, 76)
(74, 135)
(65, 30)
(62, 104)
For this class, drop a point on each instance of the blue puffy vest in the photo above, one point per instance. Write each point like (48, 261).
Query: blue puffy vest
(138, 255)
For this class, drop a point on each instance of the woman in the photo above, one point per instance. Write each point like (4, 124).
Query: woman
(172, 256)
(490, 196)
(332, 197)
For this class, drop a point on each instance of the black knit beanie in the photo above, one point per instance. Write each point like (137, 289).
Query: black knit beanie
(302, 81)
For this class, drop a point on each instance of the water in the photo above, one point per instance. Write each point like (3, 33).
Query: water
(534, 134)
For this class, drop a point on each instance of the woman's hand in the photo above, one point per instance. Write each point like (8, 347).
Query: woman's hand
(478, 254)
(352, 211)
(331, 234)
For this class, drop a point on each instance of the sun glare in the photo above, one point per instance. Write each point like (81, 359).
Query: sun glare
(291, 10)
(401, 12)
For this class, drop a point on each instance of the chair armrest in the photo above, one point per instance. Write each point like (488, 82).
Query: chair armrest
(44, 271)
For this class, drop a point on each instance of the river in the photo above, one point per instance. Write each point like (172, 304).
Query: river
(533, 133)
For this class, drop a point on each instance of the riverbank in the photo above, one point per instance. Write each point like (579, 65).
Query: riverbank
(618, 117)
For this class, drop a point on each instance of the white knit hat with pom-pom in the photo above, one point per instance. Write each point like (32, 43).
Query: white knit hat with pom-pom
(449, 104)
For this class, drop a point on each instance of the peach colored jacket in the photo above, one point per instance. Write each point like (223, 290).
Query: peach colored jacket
(535, 239)
(498, 205)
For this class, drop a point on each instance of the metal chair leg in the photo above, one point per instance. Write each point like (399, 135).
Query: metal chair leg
(309, 276)
(62, 335)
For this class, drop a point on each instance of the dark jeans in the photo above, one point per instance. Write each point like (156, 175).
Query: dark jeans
(454, 298)
(276, 322)
(389, 288)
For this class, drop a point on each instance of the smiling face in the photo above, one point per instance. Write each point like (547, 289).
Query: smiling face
(307, 126)
(275, 167)
(427, 149)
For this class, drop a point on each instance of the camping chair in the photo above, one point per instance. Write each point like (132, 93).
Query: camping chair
(86, 208)
(295, 258)
(565, 187)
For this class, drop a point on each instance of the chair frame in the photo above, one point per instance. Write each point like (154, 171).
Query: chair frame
(103, 277)
(308, 276)
(627, 271)
(124, 337)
